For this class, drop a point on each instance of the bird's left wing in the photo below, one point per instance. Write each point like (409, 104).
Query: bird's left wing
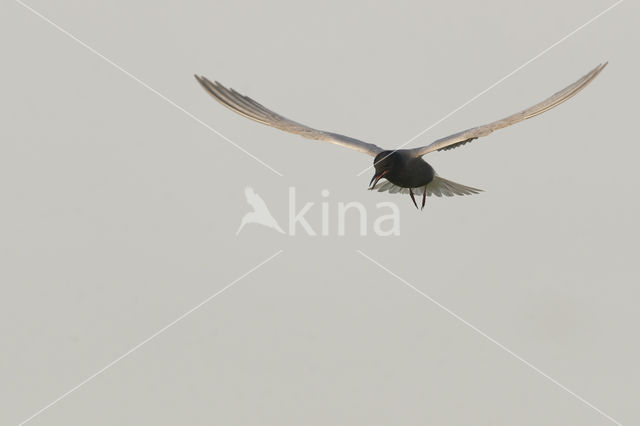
(468, 135)
(246, 106)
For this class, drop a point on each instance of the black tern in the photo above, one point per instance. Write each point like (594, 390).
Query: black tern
(403, 169)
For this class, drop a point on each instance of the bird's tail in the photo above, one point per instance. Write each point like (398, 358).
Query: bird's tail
(444, 187)
(438, 187)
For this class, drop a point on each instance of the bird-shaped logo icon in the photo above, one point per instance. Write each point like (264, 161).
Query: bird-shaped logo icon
(260, 214)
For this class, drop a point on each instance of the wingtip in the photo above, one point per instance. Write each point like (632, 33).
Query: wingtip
(600, 67)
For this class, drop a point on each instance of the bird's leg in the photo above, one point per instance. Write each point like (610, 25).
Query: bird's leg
(424, 198)
(413, 198)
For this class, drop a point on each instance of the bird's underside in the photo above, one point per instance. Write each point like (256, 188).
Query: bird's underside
(386, 166)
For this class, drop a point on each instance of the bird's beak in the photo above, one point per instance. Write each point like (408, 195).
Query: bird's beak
(376, 178)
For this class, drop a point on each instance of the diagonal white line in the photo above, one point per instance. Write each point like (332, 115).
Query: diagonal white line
(147, 340)
(502, 79)
(92, 50)
(491, 339)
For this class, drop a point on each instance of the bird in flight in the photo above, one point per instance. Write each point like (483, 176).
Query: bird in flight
(404, 170)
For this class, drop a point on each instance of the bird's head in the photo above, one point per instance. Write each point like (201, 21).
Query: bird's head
(384, 164)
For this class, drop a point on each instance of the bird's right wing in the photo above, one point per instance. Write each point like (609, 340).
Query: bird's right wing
(246, 106)
(466, 136)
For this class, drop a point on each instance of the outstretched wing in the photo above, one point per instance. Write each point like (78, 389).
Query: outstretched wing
(469, 135)
(246, 106)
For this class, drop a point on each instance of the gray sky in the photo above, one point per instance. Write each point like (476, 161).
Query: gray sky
(119, 214)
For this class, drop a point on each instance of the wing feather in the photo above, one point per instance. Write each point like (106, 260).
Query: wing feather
(249, 108)
(461, 138)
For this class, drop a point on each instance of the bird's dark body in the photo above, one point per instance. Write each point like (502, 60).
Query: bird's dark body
(404, 169)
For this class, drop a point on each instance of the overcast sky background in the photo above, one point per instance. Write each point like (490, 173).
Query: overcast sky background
(119, 214)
